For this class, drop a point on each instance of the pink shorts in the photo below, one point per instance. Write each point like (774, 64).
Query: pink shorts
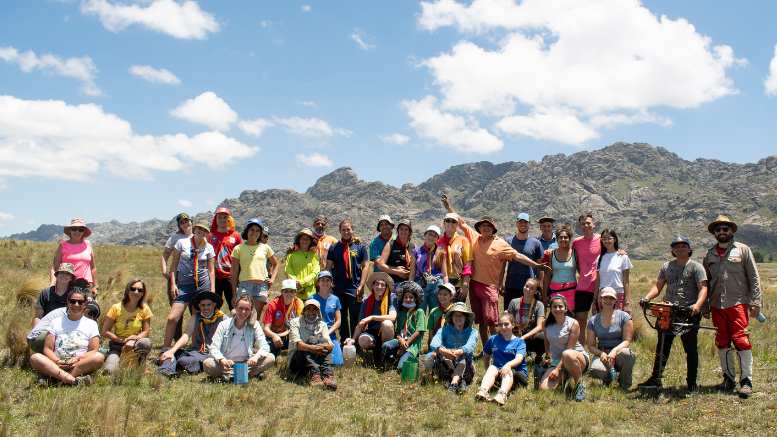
(484, 300)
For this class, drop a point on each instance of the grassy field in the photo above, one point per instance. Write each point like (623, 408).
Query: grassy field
(367, 402)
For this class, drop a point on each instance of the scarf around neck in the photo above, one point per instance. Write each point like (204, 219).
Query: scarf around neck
(347, 256)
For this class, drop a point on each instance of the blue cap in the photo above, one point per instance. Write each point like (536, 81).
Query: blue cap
(324, 273)
(679, 240)
(523, 216)
(255, 221)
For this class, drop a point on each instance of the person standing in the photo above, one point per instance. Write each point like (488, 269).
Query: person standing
(184, 231)
(386, 229)
(516, 274)
(735, 296)
(77, 251)
(223, 238)
(429, 270)
(250, 261)
(347, 259)
(587, 248)
(613, 271)
(547, 239)
(397, 257)
(325, 242)
(303, 265)
(458, 256)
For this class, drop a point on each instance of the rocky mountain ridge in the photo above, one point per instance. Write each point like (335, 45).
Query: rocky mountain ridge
(647, 193)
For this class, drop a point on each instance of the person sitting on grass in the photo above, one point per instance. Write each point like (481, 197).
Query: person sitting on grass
(313, 354)
(330, 307)
(278, 315)
(71, 351)
(609, 337)
(55, 297)
(529, 313)
(131, 321)
(202, 325)
(509, 354)
(378, 327)
(234, 342)
(566, 353)
(410, 329)
(454, 344)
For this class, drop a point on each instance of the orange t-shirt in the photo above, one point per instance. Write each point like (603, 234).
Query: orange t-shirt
(489, 256)
(324, 243)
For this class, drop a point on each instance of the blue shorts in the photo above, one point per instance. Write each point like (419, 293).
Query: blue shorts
(257, 290)
(187, 291)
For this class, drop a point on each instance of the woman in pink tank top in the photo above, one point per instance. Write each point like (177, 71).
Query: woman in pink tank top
(77, 251)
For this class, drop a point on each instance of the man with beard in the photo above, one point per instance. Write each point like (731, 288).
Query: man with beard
(735, 296)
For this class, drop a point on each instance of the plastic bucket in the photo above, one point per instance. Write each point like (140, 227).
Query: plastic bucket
(241, 373)
(349, 356)
(410, 369)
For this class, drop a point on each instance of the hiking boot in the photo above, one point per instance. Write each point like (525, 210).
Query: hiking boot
(728, 384)
(482, 395)
(500, 398)
(452, 388)
(651, 383)
(329, 381)
(82, 380)
(316, 381)
(745, 388)
(261, 376)
(580, 391)
(462, 388)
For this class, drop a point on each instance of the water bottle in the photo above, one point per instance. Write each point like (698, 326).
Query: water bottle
(761, 318)
(613, 375)
(103, 350)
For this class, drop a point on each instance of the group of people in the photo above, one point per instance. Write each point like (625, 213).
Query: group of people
(561, 295)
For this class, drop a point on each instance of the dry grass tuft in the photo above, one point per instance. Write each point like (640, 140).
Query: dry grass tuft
(16, 337)
(28, 258)
(27, 293)
(118, 278)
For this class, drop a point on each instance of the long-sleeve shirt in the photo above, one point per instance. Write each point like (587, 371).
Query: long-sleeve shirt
(733, 279)
(298, 331)
(223, 337)
(304, 268)
(449, 338)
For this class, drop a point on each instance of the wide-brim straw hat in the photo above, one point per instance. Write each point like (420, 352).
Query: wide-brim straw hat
(485, 219)
(546, 219)
(383, 277)
(459, 307)
(309, 233)
(78, 222)
(721, 220)
(202, 224)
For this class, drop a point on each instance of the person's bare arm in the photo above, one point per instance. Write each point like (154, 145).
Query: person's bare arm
(212, 274)
(38, 316)
(55, 265)
(163, 261)
(655, 290)
(107, 331)
(702, 297)
(626, 291)
(365, 268)
(336, 324)
(275, 267)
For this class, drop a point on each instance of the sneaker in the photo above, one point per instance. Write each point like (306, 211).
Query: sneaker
(452, 388)
(482, 395)
(693, 388)
(728, 384)
(462, 388)
(82, 380)
(316, 381)
(43, 382)
(500, 398)
(651, 383)
(580, 392)
(745, 388)
(329, 381)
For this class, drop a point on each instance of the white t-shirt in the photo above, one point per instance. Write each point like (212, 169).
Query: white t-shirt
(45, 322)
(71, 338)
(237, 350)
(611, 270)
(174, 239)
(186, 264)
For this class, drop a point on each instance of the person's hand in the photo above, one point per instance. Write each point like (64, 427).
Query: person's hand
(277, 341)
(289, 249)
(461, 295)
(622, 252)
(604, 358)
(128, 345)
(349, 341)
(299, 286)
(251, 362)
(545, 362)
(227, 363)
(167, 355)
(173, 291)
(544, 268)
(94, 292)
(754, 311)
(402, 343)
(554, 374)
(695, 309)
(501, 290)
(626, 308)
(505, 370)
(595, 307)
(269, 282)
(643, 302)
(166, 275)
(445, 202)
(360, 291)
(357, 240)
(404, 273)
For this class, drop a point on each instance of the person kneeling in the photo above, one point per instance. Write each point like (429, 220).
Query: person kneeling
(411, 326)
(234, 341)
(454, 344)
(376, 317)
(127, 326)
(509, 352)
(314, 354)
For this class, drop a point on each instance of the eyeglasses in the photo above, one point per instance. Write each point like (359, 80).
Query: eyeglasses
(137, 289)
(721, 228)
(450, 221)
(79, 229)
(77, 301)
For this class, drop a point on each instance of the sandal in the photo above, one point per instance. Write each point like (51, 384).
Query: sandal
(500, 398)
(482, 395)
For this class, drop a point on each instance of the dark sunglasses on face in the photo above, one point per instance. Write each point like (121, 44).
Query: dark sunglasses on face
(137, 289)
(721, 229)
(77, 301)
(450, 221)
(80, 229)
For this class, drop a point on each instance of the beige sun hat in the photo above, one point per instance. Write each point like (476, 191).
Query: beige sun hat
(78, 223)
(383, 277)
(309, 233)
(67, 268)
(721, 220)
(608, 291)
(459, 307)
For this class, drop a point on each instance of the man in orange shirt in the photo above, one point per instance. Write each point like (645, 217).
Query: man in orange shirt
(489, 254)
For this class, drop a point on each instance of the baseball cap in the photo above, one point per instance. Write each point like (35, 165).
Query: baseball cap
(679, 240)
(289, 284)
(523, 216)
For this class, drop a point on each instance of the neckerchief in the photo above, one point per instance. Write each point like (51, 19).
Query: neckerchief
(441, 320)
(194, 257)
(429, 256)
(201, 331)
(446, 242)
(407, 256)
(288, 310)
(383, 239)
(347, 257)
(407, 318)
(520, 312)
(383, 303)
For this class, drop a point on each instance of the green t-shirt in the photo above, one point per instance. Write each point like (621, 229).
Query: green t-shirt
(417, 322)
(434, 317)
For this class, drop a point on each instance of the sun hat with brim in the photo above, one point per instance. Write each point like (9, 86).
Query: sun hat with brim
(459, 307)
(485, 219)
(412, 287)
(309, 233)
(451, 216)
(680, 240)
(383, 277)
(202, 224)
(721, 220)
(209, 295)
(435, 229)
(78, 223)
(407, 223)
(67, 268)
(608, 292)
(312, 302)
(546, 219)
(384, 218)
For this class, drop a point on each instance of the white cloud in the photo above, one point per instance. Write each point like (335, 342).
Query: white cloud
(30, 222)
(6, 216)
(398, 139)
(184, 203)
(181, 20)
(254, 127)
(311, 127)
(771, 81)
(314, 160)
(42, 137)
(448, 129)
(81, 68)
(265, 23)
(603, 63)
(210, 202)
(151, 74)
(207, 109)
(306, 8)
(305, 103)
(358, 36)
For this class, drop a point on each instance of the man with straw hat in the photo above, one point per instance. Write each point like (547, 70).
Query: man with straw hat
(547, 239)
(735, 296)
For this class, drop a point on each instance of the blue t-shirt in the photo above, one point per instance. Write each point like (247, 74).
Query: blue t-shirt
(504, 351)
(549, 245)
(376, 250)
(341, 283)
(328, 309)
(517, 273)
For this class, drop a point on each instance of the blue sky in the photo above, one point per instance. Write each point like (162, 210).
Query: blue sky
(134, 110)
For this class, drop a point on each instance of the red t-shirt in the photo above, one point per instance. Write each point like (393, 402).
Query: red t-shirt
(278, 314)
(223, 243)
(721, 252)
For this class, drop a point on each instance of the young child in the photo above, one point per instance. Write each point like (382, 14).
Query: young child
(310, 348)
(454, 344)
(508, 352)
(436, 320)
(410, 327)
(277, 317)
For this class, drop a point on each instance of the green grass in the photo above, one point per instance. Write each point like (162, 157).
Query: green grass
(367, 402)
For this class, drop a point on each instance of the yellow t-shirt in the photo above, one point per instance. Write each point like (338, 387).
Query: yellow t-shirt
(127, 323)
(253, 261)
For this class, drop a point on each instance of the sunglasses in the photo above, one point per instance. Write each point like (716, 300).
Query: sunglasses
(450, 221)
(77, 301)
(721, 228)
(79, 229)
(137, 289)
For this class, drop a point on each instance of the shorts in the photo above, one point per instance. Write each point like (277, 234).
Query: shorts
(257, 290)
(484, 300)
(371, 333)
(186, 292)
(36, 344)
(583, 301)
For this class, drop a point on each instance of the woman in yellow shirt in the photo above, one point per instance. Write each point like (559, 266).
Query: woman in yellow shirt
(127, 326)
(303, 264)
(249, 266)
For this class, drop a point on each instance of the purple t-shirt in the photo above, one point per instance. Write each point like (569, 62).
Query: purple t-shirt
(422, 261)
